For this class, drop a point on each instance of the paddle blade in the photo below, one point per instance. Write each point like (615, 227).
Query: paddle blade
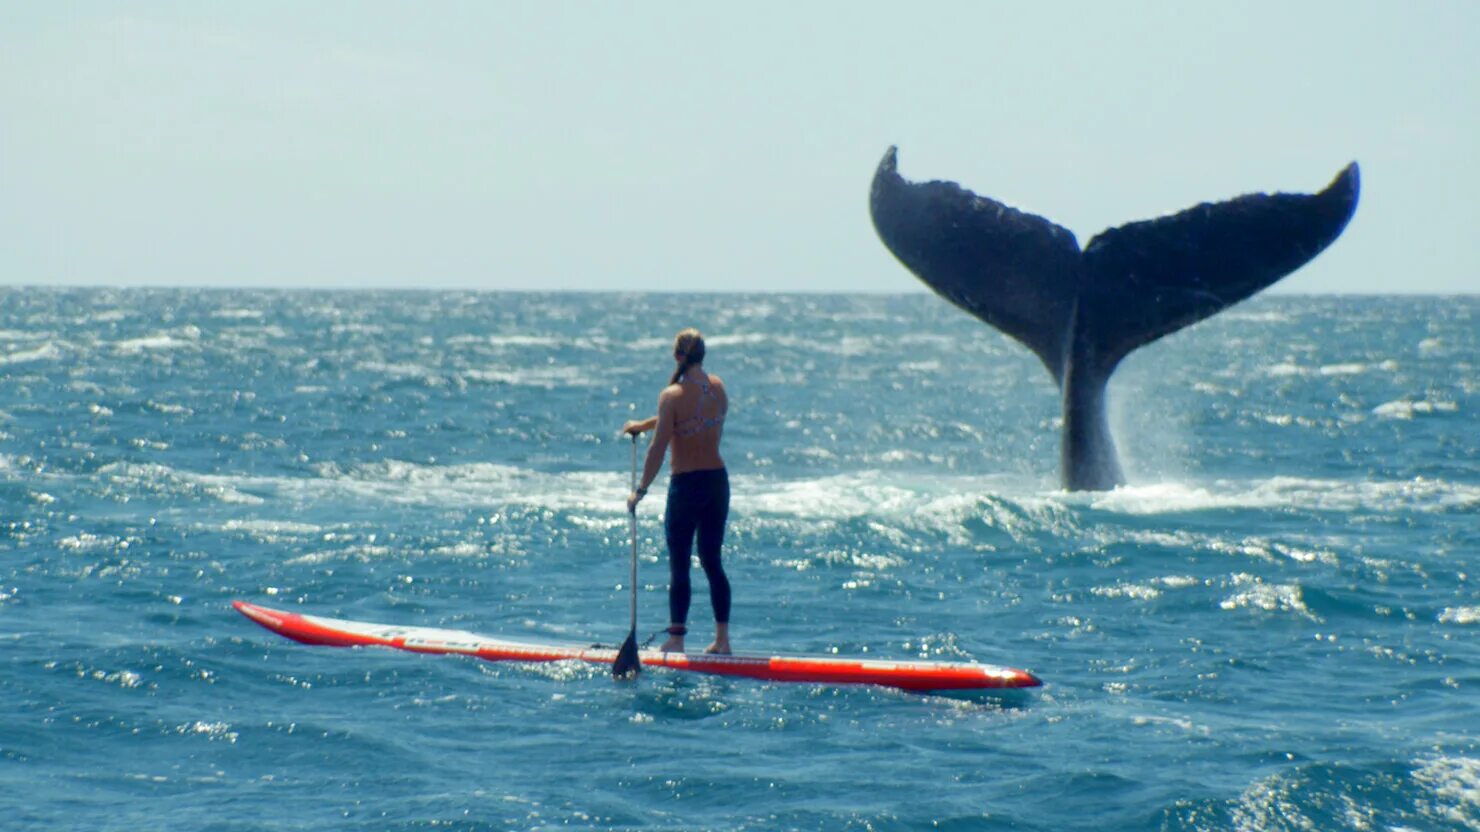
(627, 665)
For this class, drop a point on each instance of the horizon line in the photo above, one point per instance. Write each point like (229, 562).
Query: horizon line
(617, 291)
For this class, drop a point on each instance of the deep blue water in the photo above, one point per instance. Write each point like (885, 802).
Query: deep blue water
(1273, 627)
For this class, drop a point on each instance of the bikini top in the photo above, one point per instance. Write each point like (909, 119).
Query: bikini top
(698, 423)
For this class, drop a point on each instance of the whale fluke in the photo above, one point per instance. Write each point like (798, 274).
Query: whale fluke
(1081, 312)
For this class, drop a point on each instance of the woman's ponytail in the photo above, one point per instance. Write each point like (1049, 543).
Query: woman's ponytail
(690, 345)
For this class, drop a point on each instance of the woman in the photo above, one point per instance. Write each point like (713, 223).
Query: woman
(691, 418)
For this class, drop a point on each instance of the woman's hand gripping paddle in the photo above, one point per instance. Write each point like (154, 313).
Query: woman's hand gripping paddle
(627, 665)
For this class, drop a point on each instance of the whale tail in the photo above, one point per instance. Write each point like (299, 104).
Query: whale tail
(1081, 312)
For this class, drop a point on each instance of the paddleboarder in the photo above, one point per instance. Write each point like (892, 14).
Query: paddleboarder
(690, 420)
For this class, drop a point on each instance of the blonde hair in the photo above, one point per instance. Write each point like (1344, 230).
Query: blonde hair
(689, 348)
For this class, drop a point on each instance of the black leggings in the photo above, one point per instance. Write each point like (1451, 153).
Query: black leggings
(698, 501)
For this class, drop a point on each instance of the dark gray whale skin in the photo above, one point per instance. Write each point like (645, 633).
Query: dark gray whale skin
(1081, 312)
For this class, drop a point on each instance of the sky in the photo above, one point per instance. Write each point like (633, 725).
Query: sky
(711, 147)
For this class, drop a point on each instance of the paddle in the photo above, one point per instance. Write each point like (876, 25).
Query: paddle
(627, 665)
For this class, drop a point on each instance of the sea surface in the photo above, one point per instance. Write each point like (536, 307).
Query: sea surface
(1274, 626)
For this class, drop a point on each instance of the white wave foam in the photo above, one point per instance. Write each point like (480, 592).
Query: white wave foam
(1139, 592)
(356, 328)
(547, 377)
(46, 352)
(838, 497)
(403, 370)
(1418, 494)
(1460, 615)
(744, 339)
(1267, 597)
(1173, 498)
(469, 484)
(212, 731)
(1148, 590)
(1455, 785)
(21, 335)
(1351, 369)
(181, 338)
(1407, 409)
(232, 314)
(166, 407)
(364, 553)
(466, 549)
(262, 527)
(1256, 317)
(88, 542)
(1285, 369)
(523, 341)
(159, 478)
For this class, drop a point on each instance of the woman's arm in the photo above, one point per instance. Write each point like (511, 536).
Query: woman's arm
(633, 428)
(656, 451)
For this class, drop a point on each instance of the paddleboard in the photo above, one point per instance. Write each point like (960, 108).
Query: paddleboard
(921, 676)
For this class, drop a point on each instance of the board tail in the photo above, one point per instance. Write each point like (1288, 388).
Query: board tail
(1081, 312)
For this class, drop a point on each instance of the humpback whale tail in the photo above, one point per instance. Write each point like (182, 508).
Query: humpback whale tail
(1081, 312)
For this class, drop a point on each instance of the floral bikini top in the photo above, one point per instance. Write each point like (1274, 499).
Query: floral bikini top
(698, 423)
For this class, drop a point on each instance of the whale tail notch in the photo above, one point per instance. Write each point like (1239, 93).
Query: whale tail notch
(1081, 312)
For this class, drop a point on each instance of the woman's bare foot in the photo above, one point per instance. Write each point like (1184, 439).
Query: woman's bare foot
(721, 645)
(674, 644)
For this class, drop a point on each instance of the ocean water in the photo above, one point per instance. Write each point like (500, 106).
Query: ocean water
(1276, 625)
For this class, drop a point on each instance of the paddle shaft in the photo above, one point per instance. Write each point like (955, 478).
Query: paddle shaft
(634, 535)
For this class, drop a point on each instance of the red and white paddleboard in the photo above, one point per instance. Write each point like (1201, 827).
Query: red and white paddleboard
(907, 675)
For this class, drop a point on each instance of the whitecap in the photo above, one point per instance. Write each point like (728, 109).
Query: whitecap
(157, 341)
(362, 553)
(403, 370)
(162, 478)
(46, 352)
(1256, 317)
(356, 328)
(1460, 615)
(470, 484)
(549, 343)
(834, 498)
(20, 335)
(212, 731)
(1267, 597)
(743, 339)
(88, 542)
(546, 377)
(266, 527)
(1138, 592)
(1407, 409)
(232, 314)
(1454, 783)
(165, 407)
(465, 549)
(1418, 494)
(1285, 369)
(1173, 498)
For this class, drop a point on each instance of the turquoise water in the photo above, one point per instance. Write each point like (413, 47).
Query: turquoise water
(1274, 626)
